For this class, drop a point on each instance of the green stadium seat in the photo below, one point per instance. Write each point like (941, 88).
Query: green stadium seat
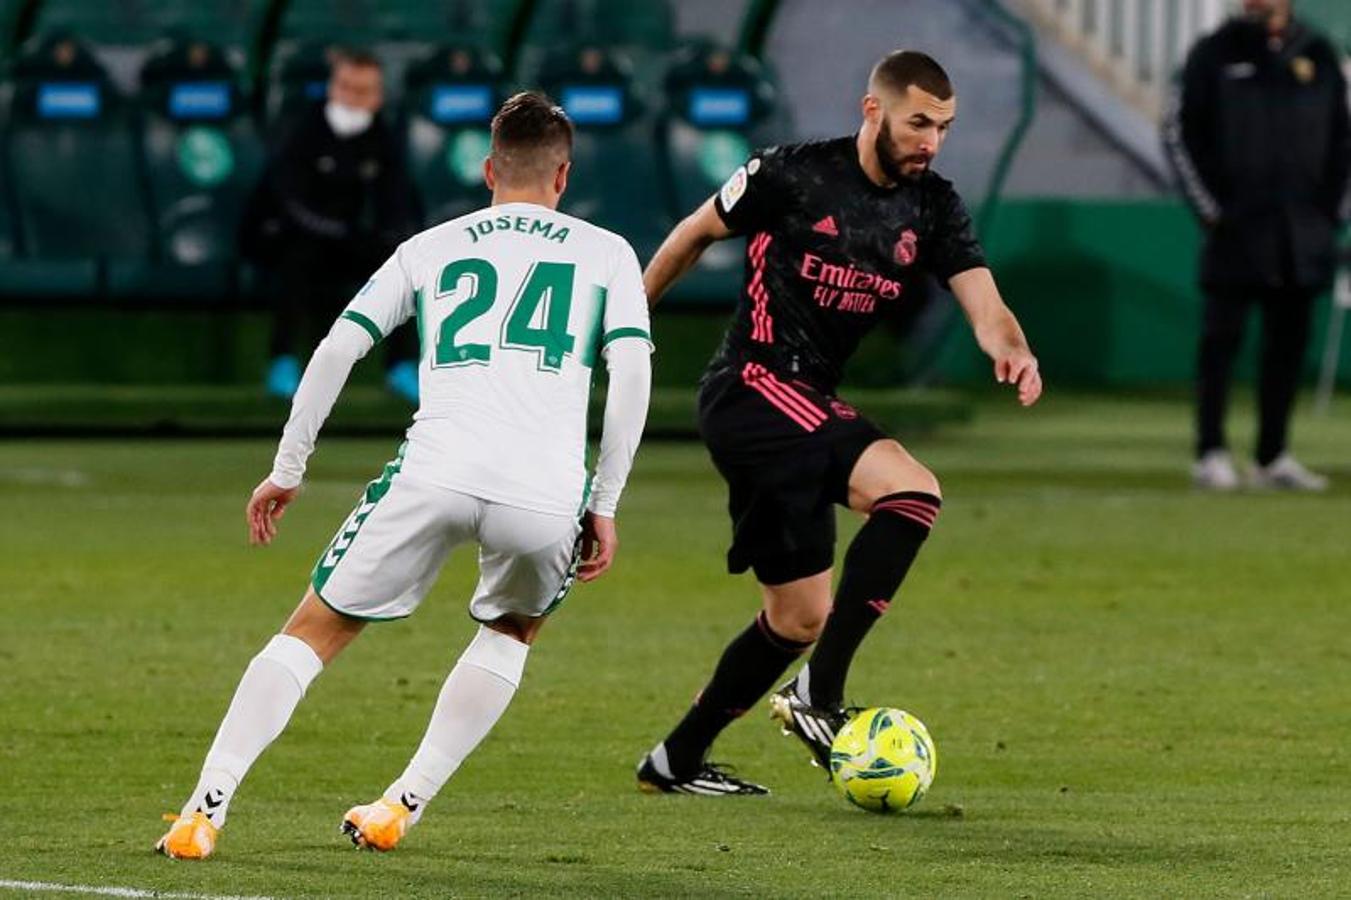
(123, 32)
(615, 180)
(640, 32)
(719, 106)
(9, 244)
(400, 34)
(10, 13)
(298, 77)
(201, 155)
(450, 99)
(72, 164)
(483, 23)
(230, 23)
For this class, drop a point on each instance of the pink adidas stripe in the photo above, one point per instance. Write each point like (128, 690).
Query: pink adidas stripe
(908, 506)
(755, 288)
(916, 505)
(807, 424)
(784, 400)
(795, 394)
(770, 382)
(762, 324)
(918, 520)
(754, 382)
(924, 513)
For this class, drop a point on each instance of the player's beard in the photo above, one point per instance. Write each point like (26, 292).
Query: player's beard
(893, 163)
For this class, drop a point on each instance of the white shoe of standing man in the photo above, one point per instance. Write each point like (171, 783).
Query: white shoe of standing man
(1215, 471)
(1285, 473)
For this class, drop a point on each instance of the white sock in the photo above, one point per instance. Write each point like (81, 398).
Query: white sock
(268, 693)
(476, 693)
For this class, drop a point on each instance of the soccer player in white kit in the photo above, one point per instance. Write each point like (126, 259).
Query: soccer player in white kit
(515, 303)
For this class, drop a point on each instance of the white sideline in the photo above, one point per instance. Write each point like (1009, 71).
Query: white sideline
(51, 888)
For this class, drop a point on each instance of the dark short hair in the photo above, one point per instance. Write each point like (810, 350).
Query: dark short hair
(531, 137)
(352, 56)
(900, 69)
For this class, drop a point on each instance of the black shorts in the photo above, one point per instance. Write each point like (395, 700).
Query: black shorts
(786, 451)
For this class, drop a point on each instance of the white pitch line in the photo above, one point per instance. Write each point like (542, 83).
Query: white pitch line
(67, 478)
(40, 887)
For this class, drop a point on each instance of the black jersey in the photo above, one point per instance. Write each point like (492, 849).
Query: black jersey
(828, 251)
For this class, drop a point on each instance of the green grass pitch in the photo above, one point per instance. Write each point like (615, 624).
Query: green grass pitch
(1134, 690)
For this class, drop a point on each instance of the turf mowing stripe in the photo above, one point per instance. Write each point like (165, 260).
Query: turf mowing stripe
(50, 888)
(68, 478)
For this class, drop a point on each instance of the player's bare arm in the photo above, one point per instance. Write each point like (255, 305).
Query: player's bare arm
(682, 249)
(998, 333)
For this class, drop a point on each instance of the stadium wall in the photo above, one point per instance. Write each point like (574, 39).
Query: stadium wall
(1106, 291)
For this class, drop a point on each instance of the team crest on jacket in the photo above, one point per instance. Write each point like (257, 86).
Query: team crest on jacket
(907, 248)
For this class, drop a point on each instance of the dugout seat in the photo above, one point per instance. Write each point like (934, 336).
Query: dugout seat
(400, 34)
(201, 155)
(482, 23)
(298, 77)
(640, 32)
(10, 13)
(71, 160)
(615, 180)
(8, 242)
(122, 33)
(451, 97)
(719, 106)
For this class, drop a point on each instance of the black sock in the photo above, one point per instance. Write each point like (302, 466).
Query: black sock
(748, 668)
(876, 564)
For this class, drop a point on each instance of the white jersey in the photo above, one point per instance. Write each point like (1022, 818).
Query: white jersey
(515, 305)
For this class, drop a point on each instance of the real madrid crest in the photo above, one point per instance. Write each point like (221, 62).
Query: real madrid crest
(907, 248)
(1304, 69)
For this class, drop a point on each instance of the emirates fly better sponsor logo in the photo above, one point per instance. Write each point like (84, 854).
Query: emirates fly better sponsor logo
(846, 287)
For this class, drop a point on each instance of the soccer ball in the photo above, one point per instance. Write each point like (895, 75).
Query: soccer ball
(883, 760)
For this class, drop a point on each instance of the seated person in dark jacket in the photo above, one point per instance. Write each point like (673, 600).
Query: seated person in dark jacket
(334, 203)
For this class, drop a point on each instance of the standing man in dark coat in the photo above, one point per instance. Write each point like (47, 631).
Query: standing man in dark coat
(333, 204)
(1262, 147)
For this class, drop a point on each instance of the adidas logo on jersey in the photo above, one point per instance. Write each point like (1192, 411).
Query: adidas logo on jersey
(827, 226)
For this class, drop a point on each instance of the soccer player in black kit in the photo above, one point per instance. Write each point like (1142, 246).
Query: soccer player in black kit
(838, 230)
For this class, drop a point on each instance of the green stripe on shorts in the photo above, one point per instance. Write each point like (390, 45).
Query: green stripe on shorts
(337, 548)
(569, 578)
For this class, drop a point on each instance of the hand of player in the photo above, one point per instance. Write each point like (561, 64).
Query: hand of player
(599, 542)
(1019, 367)
(266, 506)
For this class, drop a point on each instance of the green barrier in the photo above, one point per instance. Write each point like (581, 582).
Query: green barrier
(1333, 17)
(1106, 292)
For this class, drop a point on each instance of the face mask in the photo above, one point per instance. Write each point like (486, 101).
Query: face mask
(347, 121)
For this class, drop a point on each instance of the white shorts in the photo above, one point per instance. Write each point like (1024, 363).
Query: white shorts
(386, 556)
